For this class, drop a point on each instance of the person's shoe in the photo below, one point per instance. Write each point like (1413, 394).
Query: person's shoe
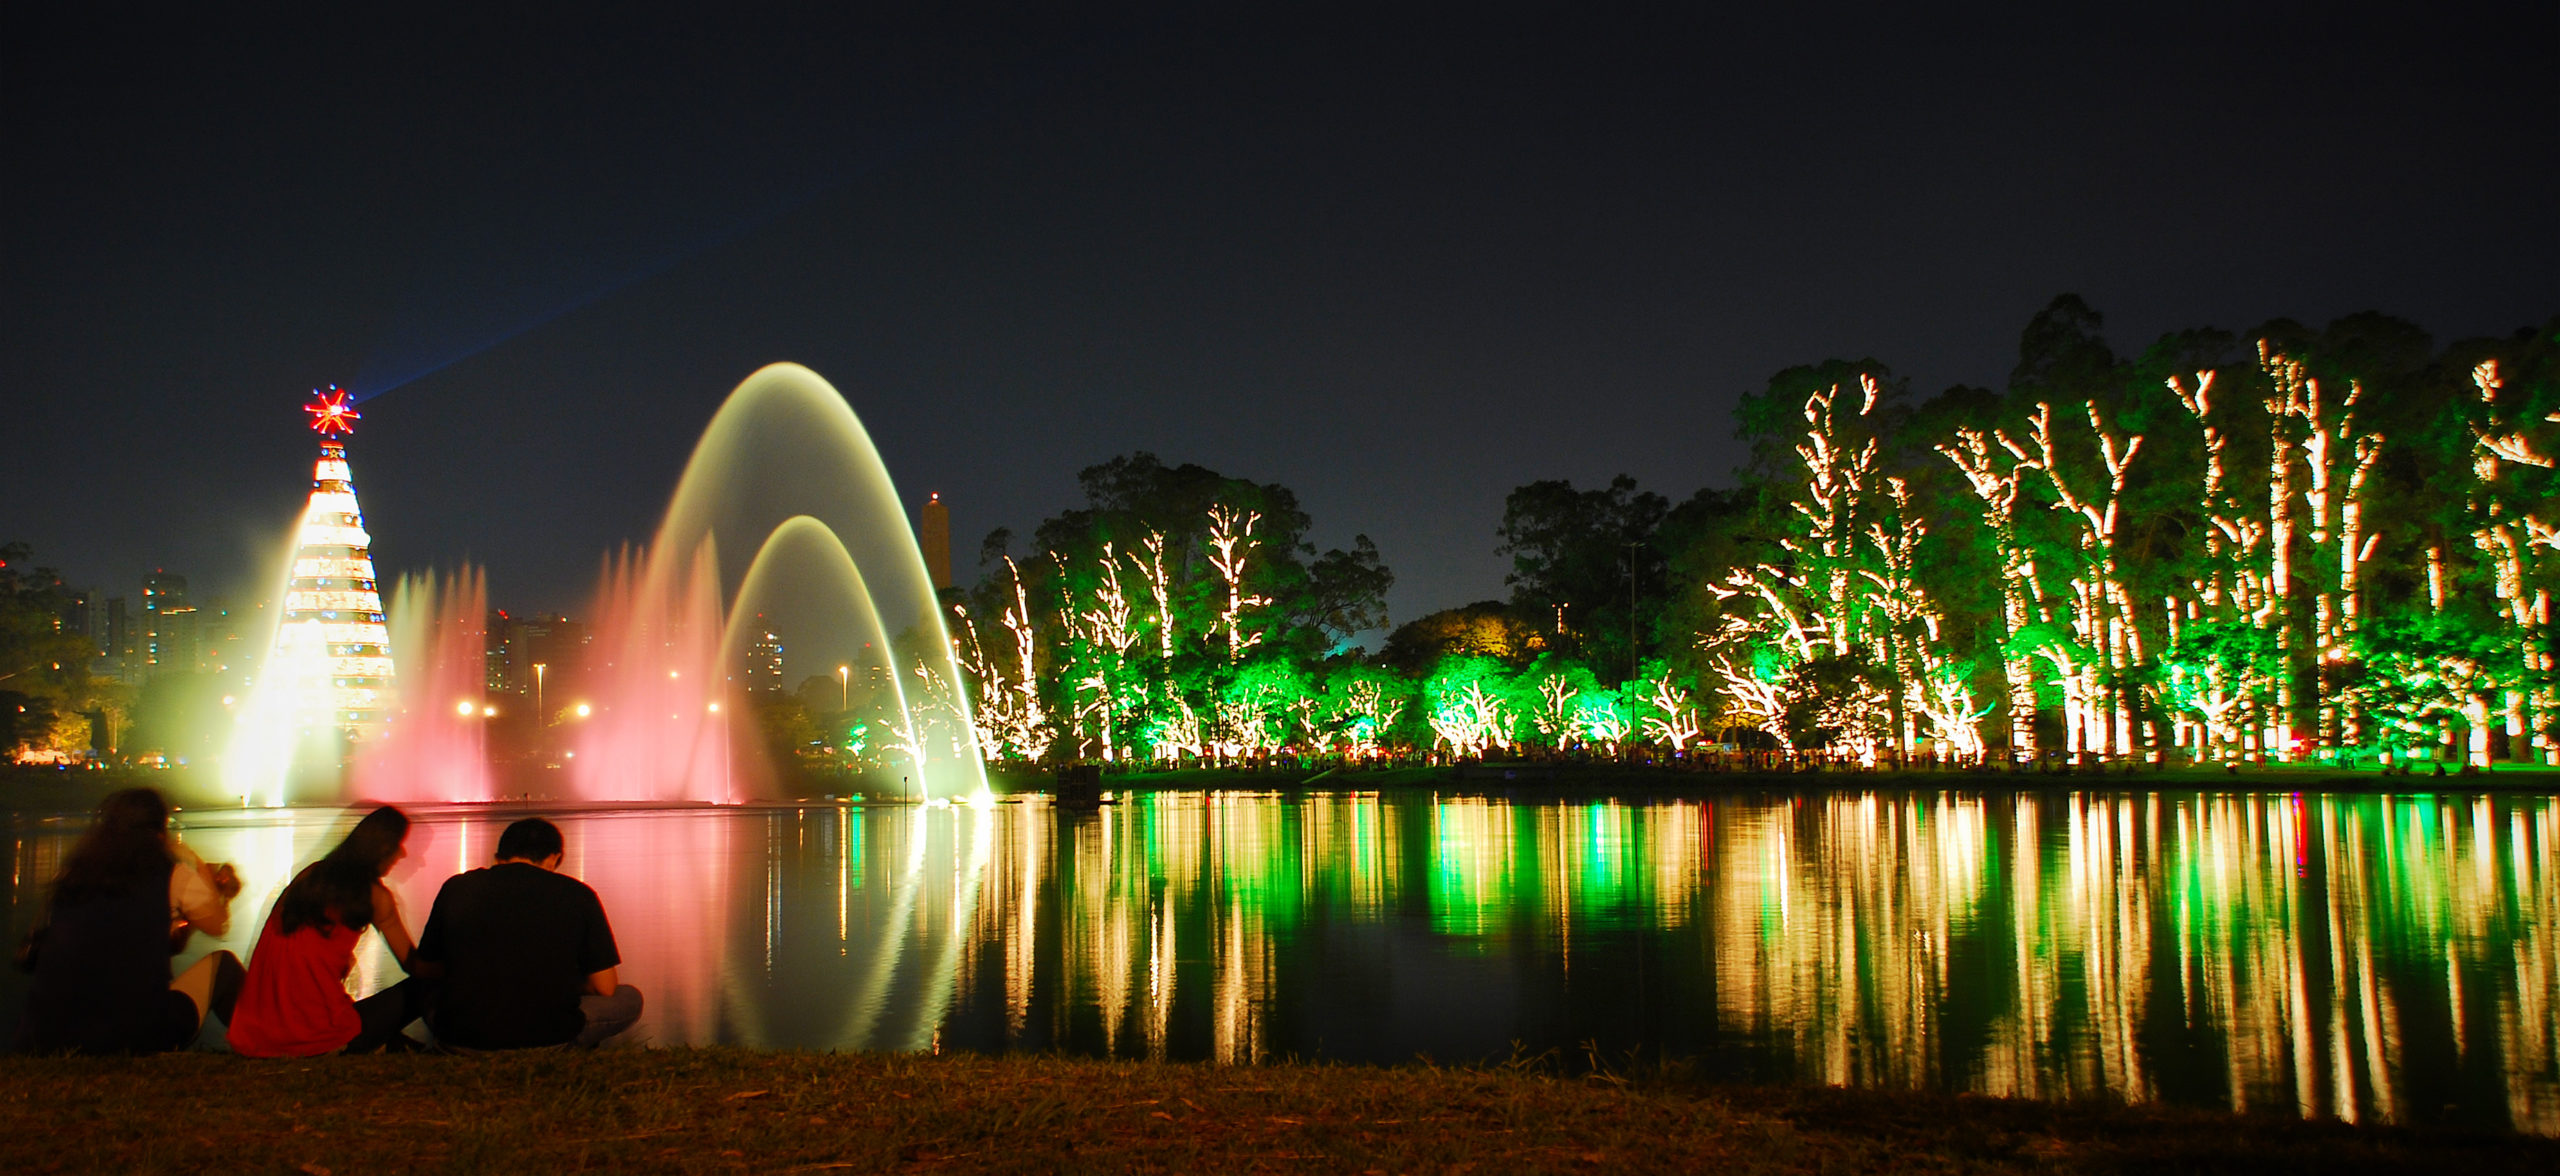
(228, 978)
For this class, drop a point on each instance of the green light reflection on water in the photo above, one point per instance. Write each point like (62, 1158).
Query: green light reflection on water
(2365, 956)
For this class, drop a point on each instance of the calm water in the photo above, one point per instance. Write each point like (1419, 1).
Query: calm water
(2373, 958)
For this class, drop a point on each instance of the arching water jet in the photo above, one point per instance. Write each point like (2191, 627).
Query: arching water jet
(786, 459)
(658, 730)
(804, 540)
(436, 747)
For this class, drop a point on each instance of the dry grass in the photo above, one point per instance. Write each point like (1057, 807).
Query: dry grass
(730, 1110)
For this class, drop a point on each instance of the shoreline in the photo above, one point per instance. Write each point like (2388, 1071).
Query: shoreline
(44, 791)
(733, 1109)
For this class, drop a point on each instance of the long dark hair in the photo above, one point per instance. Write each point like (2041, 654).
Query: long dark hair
(339, 888)
(128, 847)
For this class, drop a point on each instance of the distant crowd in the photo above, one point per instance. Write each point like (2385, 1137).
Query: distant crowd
(513, 955)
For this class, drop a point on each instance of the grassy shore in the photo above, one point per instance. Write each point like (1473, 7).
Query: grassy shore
(731, 1110)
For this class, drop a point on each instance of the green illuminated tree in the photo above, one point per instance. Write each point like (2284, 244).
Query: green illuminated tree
(2422, 675)
(1176, 615)
(1836, 582)
(1472, 706)
(2514, 515)
(1366, 711)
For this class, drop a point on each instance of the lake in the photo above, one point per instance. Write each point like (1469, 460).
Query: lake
(2373, 958)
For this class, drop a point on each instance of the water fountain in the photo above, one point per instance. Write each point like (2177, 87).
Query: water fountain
(786, 462)
(435, 749)
(788, 475)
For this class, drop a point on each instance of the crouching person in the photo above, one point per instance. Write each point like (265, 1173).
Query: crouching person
(522, 954)
(101, 958)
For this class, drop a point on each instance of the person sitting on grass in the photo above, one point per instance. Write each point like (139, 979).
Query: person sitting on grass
(521, 953)
(295, 1003)
(101, 958)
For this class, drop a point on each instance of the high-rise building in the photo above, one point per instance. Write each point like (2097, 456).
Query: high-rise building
(763, 669)
(80, 614)
(933, 534)
(546, 647)
(498, 653)
(99, 620)
(119, 661)
(332, 643)
(169, 630)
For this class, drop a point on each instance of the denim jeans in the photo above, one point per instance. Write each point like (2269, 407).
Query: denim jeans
(608, 1015)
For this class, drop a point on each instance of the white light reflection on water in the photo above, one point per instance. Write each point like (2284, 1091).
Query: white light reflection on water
(2368, 957)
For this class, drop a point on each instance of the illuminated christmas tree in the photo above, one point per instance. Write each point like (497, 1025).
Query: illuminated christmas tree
(333, 646)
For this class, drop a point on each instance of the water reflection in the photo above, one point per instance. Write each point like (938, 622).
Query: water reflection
(2386, 958)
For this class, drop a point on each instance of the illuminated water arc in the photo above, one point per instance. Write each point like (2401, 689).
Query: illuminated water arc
(884, 963)
(258, 758)
(434, 753)
(862, 510)
(798, 534)
(657, 732)
(964, 917)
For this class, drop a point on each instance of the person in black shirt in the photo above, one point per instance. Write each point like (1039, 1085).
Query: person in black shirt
(521, 954)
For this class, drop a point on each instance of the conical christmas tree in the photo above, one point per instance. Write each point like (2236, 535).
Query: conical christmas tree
(332, 643)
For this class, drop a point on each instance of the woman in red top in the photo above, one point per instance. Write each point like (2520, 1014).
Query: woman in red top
(295, 1003)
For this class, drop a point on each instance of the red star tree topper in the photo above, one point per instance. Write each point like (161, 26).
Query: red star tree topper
(331, 413)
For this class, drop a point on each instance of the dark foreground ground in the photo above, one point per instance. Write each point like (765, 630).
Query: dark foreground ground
(728, 1110)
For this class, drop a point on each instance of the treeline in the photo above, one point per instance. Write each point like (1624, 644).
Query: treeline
(2289, 542)
(48, 700)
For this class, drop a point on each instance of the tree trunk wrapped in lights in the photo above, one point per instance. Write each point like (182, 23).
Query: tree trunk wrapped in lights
(2282, 404)
(2102, 618)
(1841, 592)
(1671, 718)
(1995, 480)
(1011, 722)
(1362, 707)
(2229, 597)
(1229, 530)
(2516, 525)
(1464, 704)
(2337, 461)
(1160, 589)
(1753, 699)
(1600, 719)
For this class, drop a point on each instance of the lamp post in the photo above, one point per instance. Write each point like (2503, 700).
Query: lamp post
(1635, 663)
(844, 688)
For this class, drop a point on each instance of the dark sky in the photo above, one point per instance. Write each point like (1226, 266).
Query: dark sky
(1400, 263)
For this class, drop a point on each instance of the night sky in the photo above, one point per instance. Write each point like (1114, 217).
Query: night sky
(1399, 263)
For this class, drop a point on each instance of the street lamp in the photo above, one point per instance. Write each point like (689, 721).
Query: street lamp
(844, 685)
(1635, 655)
(541, 715)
